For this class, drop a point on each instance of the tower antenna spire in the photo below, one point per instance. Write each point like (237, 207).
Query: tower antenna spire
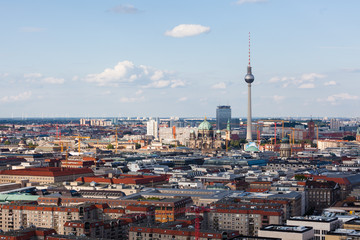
(249, 49)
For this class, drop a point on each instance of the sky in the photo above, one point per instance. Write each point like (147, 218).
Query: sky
(117, 58)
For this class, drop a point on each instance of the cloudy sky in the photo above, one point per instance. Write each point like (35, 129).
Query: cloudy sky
(88, 58)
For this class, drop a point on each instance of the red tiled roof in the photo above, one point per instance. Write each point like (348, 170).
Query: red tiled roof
(47, 171)
(340, 180)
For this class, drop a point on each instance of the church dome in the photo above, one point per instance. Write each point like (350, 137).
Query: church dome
(205, 125)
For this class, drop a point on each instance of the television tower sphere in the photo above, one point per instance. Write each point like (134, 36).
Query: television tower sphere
(249, 78)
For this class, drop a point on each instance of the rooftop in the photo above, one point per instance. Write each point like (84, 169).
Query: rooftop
(314, 219)
(286, 228)
(47, 171)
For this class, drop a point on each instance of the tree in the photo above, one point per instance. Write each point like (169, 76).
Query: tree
(349, 138)
(137, 145)
(110, 146)
(300, 177)
(7, 142)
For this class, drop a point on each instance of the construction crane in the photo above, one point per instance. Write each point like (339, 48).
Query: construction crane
(116, 138)
(174, 135)
(275, 123)
(79, 142)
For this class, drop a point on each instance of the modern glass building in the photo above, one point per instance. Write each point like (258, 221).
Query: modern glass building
(223, 114)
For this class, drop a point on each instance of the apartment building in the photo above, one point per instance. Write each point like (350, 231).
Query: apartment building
(112, 229)
(245, 217)
(18, 215)
(178, 231)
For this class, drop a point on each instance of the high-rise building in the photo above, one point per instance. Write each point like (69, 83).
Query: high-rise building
(153, 128)
(334, 124)
(223, 115)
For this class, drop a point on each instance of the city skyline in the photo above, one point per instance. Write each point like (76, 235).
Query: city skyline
(178, 58)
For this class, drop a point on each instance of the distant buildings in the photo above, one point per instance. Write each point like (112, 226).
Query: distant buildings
(223, 115)
(95, 122)
(335, 124)
(152, 128)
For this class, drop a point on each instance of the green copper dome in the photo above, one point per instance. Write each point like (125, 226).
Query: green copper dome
(205, 125)
(251, 147)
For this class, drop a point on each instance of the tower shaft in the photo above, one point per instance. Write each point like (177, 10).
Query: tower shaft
(249, 120)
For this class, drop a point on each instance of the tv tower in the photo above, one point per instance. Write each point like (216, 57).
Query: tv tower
(249, 78)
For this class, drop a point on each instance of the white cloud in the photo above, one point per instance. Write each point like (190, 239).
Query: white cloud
(307, 85)
(132, 99)
(302, 81)
(335, 98)
(124, 9)
(32, 29)
(33, 75)
(139, 92)
(220, 85)
(38, 78)
(278, 98)
(311, 76)
(20, 97)
(53, 80)
(158, 84)
(182, 99)
(127, 72)
(157, 75)
(187, 30)
(239, 2)
(177, 83)
(331, 83)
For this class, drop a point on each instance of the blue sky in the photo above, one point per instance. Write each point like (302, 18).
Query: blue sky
(88, 58)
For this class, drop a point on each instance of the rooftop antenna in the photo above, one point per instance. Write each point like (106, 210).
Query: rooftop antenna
(249, 49)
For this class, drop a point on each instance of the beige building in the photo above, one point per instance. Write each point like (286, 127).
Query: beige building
(323, 144)
(352, 224)
(343, 234)
(321, 225)
(246, 221)
(182, 135)
(287, 232)
(44, 175)
(17, 216)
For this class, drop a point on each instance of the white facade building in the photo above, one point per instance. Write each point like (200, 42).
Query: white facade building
(152, 129)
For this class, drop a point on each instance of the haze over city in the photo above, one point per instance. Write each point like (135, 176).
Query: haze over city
(178, 58)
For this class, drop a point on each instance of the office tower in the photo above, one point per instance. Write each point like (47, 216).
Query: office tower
(223, 115)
